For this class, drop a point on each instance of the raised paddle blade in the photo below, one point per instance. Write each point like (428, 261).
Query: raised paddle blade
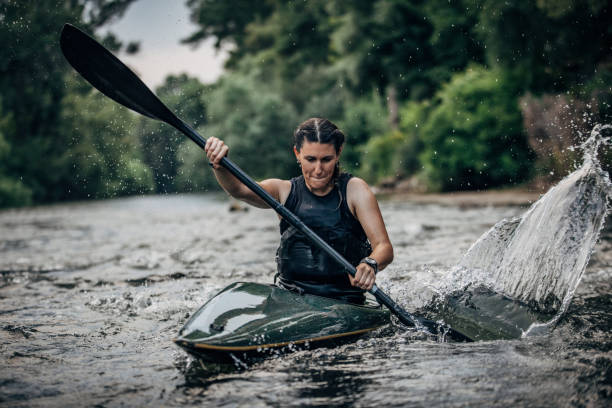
(110, 76)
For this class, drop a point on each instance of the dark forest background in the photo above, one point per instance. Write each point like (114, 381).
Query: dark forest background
(436, 95)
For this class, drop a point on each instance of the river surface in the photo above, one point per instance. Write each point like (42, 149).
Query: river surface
(92, 294)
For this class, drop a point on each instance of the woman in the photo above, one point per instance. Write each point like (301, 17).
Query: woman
(340, 208)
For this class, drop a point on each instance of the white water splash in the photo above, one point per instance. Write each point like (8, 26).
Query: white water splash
(539, 258)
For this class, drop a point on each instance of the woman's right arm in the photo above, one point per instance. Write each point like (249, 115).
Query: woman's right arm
(216, 150)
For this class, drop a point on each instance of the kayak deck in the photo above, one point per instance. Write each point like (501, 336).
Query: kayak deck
(249, 320)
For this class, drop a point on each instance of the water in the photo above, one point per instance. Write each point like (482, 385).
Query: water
(539, 258)
(91, 295)
(520, 276)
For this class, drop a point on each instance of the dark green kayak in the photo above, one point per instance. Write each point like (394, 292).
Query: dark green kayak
(252, 320)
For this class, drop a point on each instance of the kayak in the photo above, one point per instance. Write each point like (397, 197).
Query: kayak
(247, 321)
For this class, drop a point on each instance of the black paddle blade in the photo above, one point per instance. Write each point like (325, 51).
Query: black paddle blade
(445, 331)
(110, 76)
(432, 327)
(417, 321)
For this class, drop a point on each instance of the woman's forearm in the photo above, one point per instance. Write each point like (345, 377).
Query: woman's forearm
(216, 150)
(229, 183)
(383, 254)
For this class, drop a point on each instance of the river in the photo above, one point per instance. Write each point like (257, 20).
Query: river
(93, 293)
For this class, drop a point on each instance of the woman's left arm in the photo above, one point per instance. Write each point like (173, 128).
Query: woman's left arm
(364, 206)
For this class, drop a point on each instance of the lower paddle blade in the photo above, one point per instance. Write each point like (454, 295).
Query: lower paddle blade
(444, 330)
(432, 327)
(417, 321)
(110, 76)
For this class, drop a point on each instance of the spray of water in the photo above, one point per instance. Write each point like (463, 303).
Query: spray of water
(536, 260)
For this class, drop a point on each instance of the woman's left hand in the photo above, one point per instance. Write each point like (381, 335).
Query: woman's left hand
(364, 277)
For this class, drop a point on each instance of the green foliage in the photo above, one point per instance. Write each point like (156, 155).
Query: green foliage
(12, 191)
(300, 36)
(380, 152)
(352, 62)
(384, 43)
(597, 92)
(473, 138)
(414, 48)
(413, 117)
(550, 45)
(380, 156)
(226, 21)
(32, 72)
(256, 123)
(363, 119)
(102, 154)
(31, 84)
(454, 42)
(159, 143)
(193, 173)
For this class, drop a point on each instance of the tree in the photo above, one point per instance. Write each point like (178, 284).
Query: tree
(473, 138)
(102, 153)
(256, 123)
(550, 45)
(363, 119)
(385, 45)
(12, 190)
(159, 142)
(454, 40)
(32, 74)
(227, 22)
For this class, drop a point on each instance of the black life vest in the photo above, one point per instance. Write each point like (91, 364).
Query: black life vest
(305, 268)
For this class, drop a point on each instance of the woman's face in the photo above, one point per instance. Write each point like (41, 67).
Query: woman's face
(318, 161)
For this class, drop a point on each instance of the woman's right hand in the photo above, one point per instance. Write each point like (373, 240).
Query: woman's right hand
(215, 150)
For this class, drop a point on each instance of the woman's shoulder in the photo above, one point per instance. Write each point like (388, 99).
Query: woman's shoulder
(278, 188)
(358, 194)
(357, 184)
(276, 182)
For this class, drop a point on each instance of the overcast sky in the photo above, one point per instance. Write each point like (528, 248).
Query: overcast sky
(159, 25)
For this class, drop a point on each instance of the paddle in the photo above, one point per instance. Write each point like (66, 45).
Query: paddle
(111, 77)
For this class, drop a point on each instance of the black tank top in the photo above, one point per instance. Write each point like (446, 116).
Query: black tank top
(304, 267)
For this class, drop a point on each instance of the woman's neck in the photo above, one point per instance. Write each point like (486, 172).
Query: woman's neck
(323, 191)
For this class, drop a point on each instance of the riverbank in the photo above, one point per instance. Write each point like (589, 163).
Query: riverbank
(466, 199)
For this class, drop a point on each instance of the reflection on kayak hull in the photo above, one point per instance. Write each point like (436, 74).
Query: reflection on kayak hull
(247, 321)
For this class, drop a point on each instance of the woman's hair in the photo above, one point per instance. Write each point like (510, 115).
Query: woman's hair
(320, 131)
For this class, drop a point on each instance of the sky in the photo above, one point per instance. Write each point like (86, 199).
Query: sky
(159, 25)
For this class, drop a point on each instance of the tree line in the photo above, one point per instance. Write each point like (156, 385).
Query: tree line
(449, 95)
